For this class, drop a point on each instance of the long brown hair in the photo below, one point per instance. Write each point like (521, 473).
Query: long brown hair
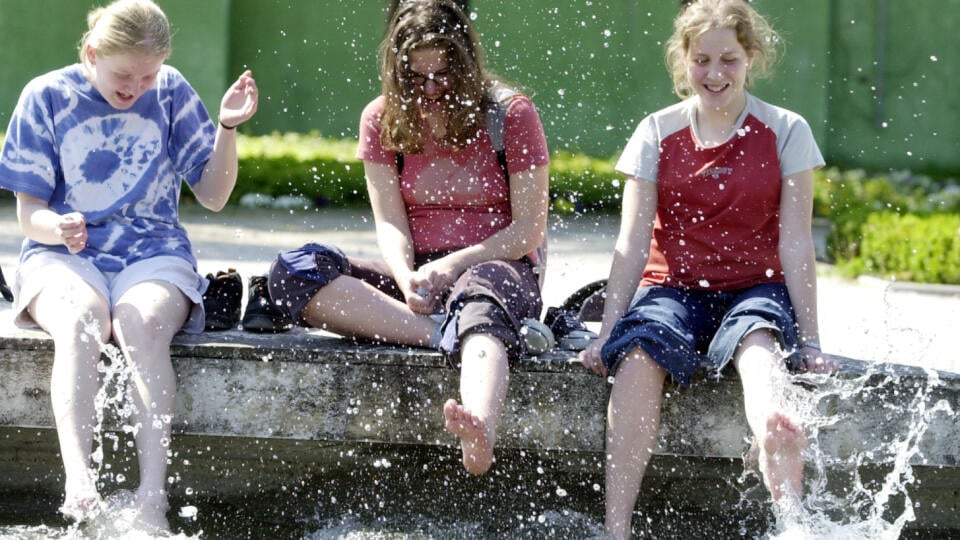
(439, 24)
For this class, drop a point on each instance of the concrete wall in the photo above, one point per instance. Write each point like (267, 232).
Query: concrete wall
(315, 62)
(876, 79)
(894, 94)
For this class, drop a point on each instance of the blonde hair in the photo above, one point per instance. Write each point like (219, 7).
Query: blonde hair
(440, 24)
(126, 26)
(755, 35)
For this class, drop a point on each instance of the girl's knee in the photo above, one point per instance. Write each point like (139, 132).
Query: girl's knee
(638, 365)
(760, 337)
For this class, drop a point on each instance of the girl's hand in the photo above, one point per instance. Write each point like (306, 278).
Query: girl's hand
(590, 357)
(428, 286)
(425, 294)
(436, 276)
(72, 230)
(240, 101)
(816, 361)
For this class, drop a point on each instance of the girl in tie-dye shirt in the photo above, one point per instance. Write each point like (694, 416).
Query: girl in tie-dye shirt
(96, 153)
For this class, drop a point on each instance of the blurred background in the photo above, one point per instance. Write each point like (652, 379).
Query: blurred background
(876, 79)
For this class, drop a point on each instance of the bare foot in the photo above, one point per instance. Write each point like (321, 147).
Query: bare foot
(780, 457)
(82, 506)
(476, 443)
(152, 509)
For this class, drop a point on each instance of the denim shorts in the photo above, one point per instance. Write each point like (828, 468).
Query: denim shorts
(491, 298)
(684, 330)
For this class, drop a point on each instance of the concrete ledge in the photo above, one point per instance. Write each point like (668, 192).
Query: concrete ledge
(304, 385)
(277, 407)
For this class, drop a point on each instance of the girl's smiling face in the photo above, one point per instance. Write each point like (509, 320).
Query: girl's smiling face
(717, 70)
(122, 78)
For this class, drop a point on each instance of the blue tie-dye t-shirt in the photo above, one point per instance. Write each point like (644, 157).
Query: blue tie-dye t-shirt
(122, 169)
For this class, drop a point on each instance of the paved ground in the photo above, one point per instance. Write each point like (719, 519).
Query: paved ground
(870, 319)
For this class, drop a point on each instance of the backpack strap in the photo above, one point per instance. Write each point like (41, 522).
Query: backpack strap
(497, 123)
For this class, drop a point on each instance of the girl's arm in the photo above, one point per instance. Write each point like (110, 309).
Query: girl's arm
(798, 258)
(41, 224)
(220, 173)
(529, 202)
(629, 259)
(393, 229)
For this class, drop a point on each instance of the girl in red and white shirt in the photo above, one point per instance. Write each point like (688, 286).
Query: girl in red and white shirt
(715, 261)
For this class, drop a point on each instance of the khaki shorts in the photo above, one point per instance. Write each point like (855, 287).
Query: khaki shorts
(49, 266)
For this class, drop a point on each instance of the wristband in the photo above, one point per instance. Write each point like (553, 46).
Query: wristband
(224, 126)
(810, 345)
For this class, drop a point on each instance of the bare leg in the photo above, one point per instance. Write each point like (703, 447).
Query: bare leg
(633, 425)
(77, 318)
(146, 318)
(780, 439)
(351, 307)
(484, 377)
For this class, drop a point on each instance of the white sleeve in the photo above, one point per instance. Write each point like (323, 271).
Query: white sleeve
(797, 148)
(641, 156)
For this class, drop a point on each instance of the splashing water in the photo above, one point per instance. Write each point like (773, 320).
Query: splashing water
(113, 398)
(115, 522)
(114, 406)
(868, 496)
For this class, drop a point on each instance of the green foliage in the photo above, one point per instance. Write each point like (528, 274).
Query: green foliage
(910, 247)
(325, 171)
(579, 183)
(898, 225)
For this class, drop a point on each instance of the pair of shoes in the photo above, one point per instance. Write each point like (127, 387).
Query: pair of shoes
(222, 300)
(262, 314)
(4, 289)
(537, 337)
(571, 333)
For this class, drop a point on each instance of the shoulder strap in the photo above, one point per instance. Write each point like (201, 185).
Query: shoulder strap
(496, 123)
(497, 115)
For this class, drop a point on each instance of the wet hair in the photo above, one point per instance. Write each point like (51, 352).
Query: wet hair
(425, 24)
(755, 35)
(126, 26)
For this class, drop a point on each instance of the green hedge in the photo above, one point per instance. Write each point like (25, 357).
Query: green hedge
(909, 247)
(325, 171)
(899, 224)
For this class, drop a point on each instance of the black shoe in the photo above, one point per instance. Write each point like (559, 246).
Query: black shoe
(222, 300)
(262, 315)
(570, 332)
(4, 289)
